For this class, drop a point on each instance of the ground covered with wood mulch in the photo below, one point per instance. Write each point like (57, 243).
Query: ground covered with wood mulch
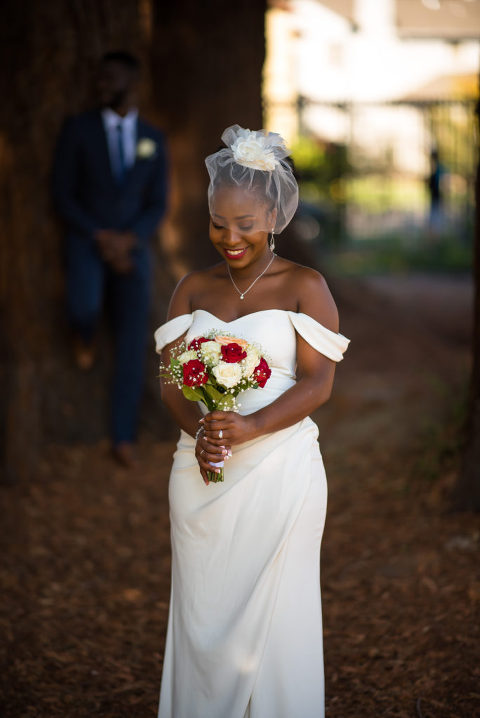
(85, 557)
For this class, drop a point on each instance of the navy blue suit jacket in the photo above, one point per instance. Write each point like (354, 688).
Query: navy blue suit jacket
(85, 192)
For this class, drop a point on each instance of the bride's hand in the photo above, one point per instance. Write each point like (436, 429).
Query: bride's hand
(208, 453)
(227, 427)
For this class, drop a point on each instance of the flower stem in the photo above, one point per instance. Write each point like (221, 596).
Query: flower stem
(216, 478)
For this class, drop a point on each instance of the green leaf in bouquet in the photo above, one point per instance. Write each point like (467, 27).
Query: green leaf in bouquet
(192, 393)
(213, 393)
(227, 402)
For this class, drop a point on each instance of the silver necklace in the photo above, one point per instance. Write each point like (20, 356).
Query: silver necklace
(242, 294)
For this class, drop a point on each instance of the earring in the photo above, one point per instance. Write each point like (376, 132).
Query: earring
(271, 241)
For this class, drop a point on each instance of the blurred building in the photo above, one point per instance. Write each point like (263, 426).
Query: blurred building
(332, 64)
(390, 80)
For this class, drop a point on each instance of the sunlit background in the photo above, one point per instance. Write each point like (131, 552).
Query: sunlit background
(364, 91)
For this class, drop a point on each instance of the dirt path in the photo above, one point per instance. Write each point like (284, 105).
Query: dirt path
(85, 563)
(400, 576)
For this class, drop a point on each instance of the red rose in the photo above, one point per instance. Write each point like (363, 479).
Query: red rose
(233, 353)
(194, 373)
(262, 373)
(195, 343)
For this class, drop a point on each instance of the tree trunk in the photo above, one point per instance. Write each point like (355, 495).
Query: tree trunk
(467, 491)
(203, 65)
(207, 61)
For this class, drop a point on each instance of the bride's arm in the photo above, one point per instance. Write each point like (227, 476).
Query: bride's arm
(315, 374)
(185, 413)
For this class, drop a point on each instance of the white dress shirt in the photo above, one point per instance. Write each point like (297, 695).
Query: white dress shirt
(111, 121)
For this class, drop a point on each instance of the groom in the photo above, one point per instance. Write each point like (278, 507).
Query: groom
(109, 186)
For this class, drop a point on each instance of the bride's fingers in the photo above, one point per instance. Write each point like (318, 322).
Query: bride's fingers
(223, 421)
(216, 414)
(220, 446)
(213, 442)
(217, 433)
(209, 455)
(206, 465)
(215, 450)
(204, 476)
(217, 443)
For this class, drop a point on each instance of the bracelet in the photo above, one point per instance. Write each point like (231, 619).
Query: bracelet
(198, 433)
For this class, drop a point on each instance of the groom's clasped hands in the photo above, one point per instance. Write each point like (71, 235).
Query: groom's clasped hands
(115, 248)
(221, 431)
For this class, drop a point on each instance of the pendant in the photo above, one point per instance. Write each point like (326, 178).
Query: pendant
(241, 296)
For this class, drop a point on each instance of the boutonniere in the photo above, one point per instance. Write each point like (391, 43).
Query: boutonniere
(146, 148)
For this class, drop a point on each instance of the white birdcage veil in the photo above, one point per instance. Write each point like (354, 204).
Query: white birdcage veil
(255, 161)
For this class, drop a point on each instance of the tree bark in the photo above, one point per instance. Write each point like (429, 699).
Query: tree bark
(466, 496)
(207, 61)
(202, 72)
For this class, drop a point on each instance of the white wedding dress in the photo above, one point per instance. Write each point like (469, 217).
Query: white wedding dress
(244, 636)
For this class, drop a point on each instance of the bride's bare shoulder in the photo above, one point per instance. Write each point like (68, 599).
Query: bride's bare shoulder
(183, 297)
(313, 295)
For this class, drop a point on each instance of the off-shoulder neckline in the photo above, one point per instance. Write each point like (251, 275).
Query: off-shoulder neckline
(243, 316)
(327, 333)
(263, 311)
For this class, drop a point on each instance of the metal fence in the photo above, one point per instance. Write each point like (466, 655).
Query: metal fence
(375, 170)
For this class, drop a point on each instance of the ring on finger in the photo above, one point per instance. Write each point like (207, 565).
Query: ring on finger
(220, 434)
(202, 452)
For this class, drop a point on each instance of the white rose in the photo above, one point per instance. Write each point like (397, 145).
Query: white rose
(227, 375)
(187, 356)
(250, 362)
(146, 148)
(250, 150)
(210, 352)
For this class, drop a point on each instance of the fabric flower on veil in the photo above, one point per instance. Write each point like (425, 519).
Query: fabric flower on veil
(255, 149)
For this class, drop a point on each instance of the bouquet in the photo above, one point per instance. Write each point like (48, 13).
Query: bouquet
(215, 369)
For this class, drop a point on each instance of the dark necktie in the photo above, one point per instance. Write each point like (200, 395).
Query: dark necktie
(120, 174)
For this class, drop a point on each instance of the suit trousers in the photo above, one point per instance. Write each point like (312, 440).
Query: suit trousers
(91, 283)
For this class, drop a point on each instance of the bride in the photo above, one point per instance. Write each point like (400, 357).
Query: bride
(244, 637)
